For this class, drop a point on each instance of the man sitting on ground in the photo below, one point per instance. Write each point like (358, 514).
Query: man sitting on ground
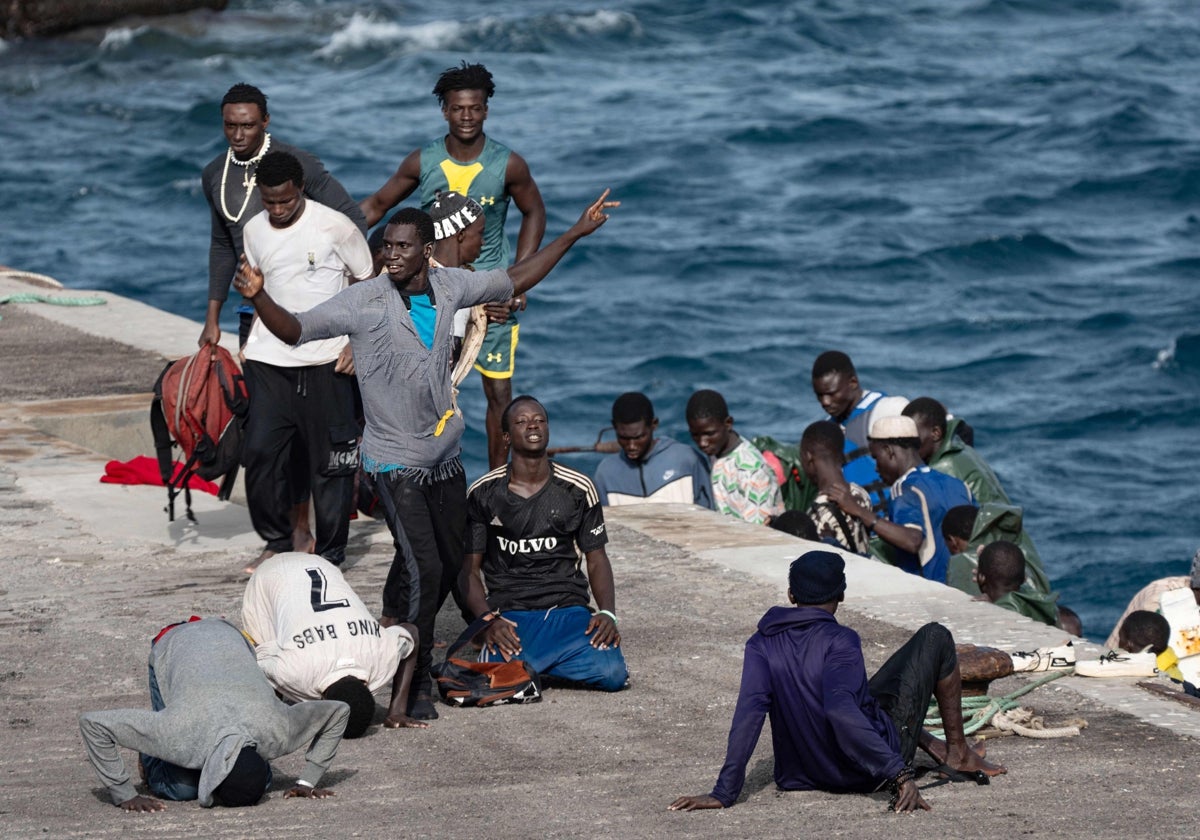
(215, 724)
(1001, 580)
(742, 483)
(1150, 596)
(831, 728)
(920, 499)
(649, 469)
(1142, 632)
(945, 452)
(821, 457)
(316, 640)
(529, 523)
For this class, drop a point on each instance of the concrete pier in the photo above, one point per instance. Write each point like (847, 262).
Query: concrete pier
(91, 571)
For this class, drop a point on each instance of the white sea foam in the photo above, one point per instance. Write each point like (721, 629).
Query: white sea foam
(120, 37)
(363, 31)
(187, 185)
(1165, 357)
(601, 22)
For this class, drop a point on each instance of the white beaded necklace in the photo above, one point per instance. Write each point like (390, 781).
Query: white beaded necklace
(248, 179)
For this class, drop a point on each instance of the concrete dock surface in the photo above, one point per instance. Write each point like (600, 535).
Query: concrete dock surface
(91, 571)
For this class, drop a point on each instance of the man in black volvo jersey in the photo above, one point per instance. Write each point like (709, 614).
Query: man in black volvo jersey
(528, 522)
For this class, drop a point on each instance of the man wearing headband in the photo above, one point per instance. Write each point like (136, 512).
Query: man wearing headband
(458, 225)
(831, 728)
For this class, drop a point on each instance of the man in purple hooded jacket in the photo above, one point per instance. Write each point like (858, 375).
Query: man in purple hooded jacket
(831, 729)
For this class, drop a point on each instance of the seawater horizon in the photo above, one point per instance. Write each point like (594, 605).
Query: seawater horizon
(991, 202)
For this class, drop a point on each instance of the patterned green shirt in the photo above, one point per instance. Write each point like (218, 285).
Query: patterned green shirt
(744, 486)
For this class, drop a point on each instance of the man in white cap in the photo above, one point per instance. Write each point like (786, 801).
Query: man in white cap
(919, 500)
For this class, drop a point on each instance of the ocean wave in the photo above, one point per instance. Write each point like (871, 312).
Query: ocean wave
(1103, 321)
(1019, 253)
(836, 130)
(1010, 9)
(1187, 268)
(1177, 184)
(365, 31)
(1182, 354)
(120, 37)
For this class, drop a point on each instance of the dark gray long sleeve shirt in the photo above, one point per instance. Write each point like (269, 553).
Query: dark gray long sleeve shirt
(405, 385)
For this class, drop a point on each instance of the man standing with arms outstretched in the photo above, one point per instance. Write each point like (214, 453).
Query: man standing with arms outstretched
(472, 164)
(399, 327)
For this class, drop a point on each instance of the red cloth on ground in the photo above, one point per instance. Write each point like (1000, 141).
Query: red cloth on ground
(144, 470)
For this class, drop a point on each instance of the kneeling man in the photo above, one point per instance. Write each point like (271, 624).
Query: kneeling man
(316, 640)
(831, 728)
(214, 725)
(529, 521)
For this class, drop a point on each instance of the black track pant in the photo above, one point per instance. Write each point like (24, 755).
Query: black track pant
(905, 684)
(428, 520)
(300, 414)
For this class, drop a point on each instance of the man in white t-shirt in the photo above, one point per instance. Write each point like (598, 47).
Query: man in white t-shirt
(301, 398)
(316, 640)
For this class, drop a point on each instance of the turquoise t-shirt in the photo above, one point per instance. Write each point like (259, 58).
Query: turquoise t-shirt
(424, 317)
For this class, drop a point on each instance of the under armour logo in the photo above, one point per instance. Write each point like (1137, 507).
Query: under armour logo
(487, 199)
(495, 357)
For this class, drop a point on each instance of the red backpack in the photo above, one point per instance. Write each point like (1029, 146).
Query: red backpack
(199, 405)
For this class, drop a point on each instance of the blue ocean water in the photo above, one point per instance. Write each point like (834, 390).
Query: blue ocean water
(992, 202)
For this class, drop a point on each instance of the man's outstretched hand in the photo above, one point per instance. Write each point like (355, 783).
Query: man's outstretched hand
(594, 216)
(695, 803)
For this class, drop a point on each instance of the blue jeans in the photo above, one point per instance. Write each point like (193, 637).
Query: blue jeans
(167, 780)
(554, 644)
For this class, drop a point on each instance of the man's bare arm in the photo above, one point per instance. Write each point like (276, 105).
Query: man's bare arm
(528, 198)
(397, 717)
(602, 627)
(278, 320)
(397, 188)
(530, 271)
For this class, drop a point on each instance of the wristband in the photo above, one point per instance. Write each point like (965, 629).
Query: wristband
(302, 783)
(490, 615)
(609, 614)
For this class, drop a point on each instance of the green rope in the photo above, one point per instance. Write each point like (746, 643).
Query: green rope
(62, 300)
(979, 711)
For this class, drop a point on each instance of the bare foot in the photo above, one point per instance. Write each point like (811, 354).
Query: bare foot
(303, 541)
(404, 722)
(254, 564)
(970, 760)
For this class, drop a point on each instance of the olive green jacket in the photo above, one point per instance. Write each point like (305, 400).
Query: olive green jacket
(996, 521)
(953, 457)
